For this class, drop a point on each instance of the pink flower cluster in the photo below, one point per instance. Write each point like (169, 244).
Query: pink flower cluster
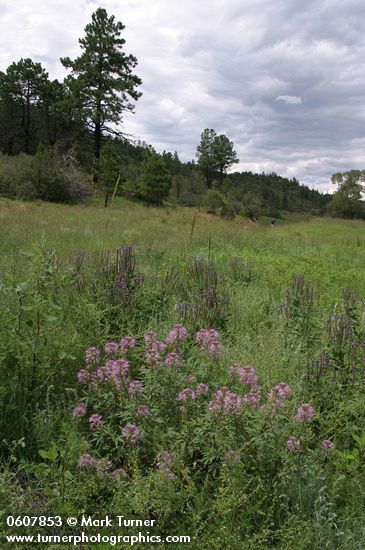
(246, 375)
(305, 413)
(102, 467)
(111, 349)
(79, 410)
(131, 433)
(208, 341)
(127, 342)
(186, 395)
(153, 354)
(92, 356)
(293, 444)
(177, 334)
(225, 401)
(327, 445)
(279, 393)
(165, 461)
(95, 421)
(173, 359)
(142, 411)
(135, 388)
(114, 371)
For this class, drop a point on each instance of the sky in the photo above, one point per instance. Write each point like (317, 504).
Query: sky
(283, 79)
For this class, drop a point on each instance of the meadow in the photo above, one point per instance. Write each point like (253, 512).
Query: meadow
(166, 364)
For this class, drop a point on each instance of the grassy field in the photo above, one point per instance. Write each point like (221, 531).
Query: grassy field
(280, 300)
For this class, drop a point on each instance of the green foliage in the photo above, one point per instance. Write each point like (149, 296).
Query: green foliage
(155, 180)
(215, 155)
(347, 201)
(102, 83)
(109, 169)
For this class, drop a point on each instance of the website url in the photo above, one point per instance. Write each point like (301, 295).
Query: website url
(83, 538)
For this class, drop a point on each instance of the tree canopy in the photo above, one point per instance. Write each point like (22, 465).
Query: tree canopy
(102, 83)
(215, 154)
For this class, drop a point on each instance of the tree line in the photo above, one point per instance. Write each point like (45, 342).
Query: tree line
(63, 141)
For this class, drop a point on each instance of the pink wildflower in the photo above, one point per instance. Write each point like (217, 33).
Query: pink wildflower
(173, 359)
(92, 356)
(201, 389)
(232, 403)
(165, 460)
(191, 378)
(215, 349)
(86, 460)
(127, 342)
(279, 393)
(253, 397)
(95, 421)
(131, 433)
(206, 336)
(135, 388)
(293, 444)
(142, 411)
(150, 338)
(186, 394)
(118, 473)
(111, 348)
(305, 413)
(79, 410)
(327, 445)
(177, 334)
(83, 376)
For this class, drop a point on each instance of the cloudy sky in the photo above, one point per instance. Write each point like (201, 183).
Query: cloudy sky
(283, 79)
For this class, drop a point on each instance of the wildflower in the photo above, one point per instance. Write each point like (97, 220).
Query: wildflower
(135, 388)
(279, 393)
(118, 473)
(127, 342)
(177, 334)
(142, 411)
(86, 460)
(111, 348)
(152, 357)
(201, 389)
(246, 375)
(191, 378)
(173, 359)
(215, 349)
(327, 445)
(165, 461)
(83, 376)
(131, 433)
(92, 356)
(185, 394)
(253, 397)
(79, 410)
(206, 336)
(305, 413)
(95, 421)
(150, 338)
(293, 444)
(215, 407)
(232, 403)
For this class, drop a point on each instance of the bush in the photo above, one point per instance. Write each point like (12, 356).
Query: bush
(155, 180)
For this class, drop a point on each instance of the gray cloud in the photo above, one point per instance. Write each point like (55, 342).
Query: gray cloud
(284, 80)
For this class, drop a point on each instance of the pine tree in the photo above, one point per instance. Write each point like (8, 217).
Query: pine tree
(102, 82)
